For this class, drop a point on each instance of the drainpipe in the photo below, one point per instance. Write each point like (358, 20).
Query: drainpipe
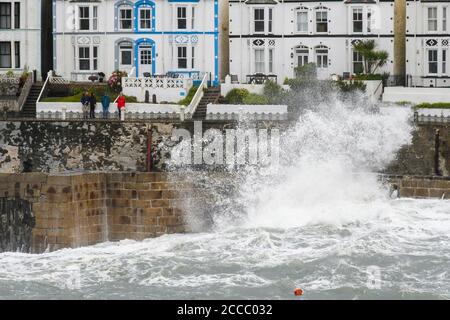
(149, 148)
(437, 171)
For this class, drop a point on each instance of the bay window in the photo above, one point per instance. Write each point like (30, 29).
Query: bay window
(87, 58)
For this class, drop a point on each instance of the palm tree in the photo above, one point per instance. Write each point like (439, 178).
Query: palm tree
(372, 59)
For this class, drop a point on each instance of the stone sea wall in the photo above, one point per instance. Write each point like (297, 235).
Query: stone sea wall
(83, 209)
(115, 146)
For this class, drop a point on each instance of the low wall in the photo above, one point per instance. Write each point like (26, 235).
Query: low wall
(54, 110)
(421, 186)
(84, 209)
(416, 95)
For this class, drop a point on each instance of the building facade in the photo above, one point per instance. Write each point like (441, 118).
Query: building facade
(20, 35)
(276, 37)
(427, 43)
(141, 37)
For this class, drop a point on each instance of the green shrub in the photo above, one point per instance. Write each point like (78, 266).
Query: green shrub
(254, 98)
(236, 96)
(307, 71)
(187, 100)
(365, 77)
(436, 105)
(272, 91)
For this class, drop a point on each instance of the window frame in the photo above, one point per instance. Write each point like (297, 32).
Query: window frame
(121, 18)
(360, 14)
(180, 18)
(432, 19)
(8, 16)
(183, 58)
(321, 11)
(299, 11)
(259, 63)
(7, 44)
(145, 19)
(259, 21)
(322, 56)
(434, 62)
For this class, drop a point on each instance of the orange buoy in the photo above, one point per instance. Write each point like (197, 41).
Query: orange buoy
(298, 292)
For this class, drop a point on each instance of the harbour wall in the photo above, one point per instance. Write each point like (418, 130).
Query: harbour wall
(55, 147)
(44, 212)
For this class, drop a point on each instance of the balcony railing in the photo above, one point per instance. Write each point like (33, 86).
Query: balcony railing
(156, 83)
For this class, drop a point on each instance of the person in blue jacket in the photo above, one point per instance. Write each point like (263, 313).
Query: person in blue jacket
(106, 100)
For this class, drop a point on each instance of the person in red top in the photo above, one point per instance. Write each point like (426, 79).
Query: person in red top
(121, 104)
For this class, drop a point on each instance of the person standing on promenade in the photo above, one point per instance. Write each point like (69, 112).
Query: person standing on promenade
(106, 101)
(93, 104)
(85, 104)
(121, 104)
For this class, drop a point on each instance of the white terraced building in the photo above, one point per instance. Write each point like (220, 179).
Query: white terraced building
(142, 37)
(20, 35)
(275, 37)
(428, 43)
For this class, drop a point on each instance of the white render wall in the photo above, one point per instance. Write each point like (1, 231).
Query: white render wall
(166, 37)
(29, 36)
(420, 39)
(284, 38)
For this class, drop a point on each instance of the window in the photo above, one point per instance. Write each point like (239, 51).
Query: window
(17, 15)
(182, 17)
(126, 18)
(84, 58)
(126, 54)
(444, 61)
(17, 54)
(369, 20)
(357, 20)
(182, 57)
(432, 61)
(302, 54)
(322, 57)
(145, 18)
(271, 60)
(321, 20)
(432, 19)
(358, 66)
(5, 15)
(302, 21)
(444, 19)
(84, 18)
(5, 54)
(259, 61)
(193, 58)
(259, 20)
(95, 58)
(193, 18)
(270, 19)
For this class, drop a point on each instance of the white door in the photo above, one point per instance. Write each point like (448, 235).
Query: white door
(145, 60)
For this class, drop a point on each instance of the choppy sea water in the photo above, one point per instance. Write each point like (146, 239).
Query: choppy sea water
(403, 253)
